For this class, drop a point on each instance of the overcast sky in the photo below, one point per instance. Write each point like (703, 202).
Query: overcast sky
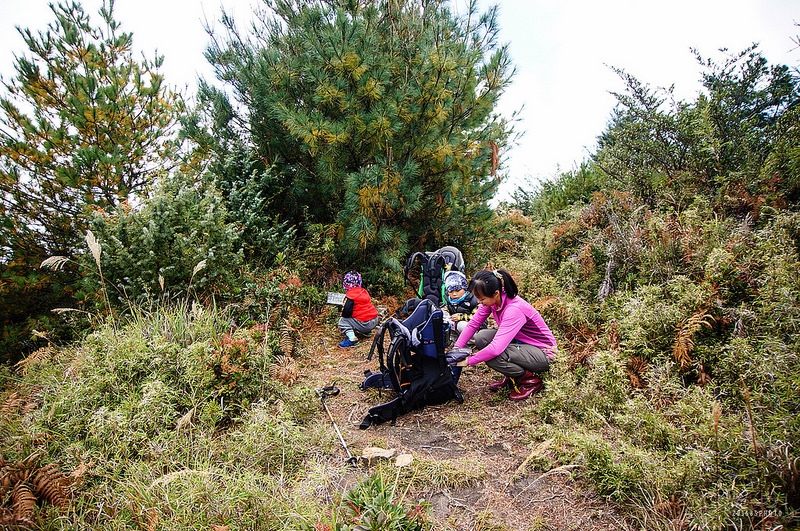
(563, 51)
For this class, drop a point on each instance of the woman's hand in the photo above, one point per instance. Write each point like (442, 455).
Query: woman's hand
(463, 363)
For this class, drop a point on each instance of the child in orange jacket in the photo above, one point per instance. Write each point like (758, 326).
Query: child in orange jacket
(358, 313)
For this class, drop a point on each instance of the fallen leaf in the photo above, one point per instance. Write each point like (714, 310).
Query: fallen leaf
(403, 460)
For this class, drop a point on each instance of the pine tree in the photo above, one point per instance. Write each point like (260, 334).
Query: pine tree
(377, 117)
(83, 126)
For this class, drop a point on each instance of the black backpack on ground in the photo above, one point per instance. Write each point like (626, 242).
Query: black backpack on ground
(414, 365)
(433, 266)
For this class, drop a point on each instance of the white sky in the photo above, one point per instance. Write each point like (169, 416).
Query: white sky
(562, 50)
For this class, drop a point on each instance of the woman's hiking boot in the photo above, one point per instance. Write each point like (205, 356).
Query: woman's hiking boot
(525, 386)
(500, 384)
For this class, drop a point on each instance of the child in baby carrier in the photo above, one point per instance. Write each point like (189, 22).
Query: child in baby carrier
(459, 303)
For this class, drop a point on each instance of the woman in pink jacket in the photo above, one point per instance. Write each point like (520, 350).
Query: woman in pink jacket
(521, 345)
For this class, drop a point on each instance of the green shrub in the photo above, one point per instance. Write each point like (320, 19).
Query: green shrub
(197, 494)
(266, 442)
(546, 201)
(646, 427)
(650, 317)
(375, 505)
(590, 395)
(130, 381)
(178, 240)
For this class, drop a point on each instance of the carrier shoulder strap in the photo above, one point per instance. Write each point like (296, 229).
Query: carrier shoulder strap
(398, 361)
(433, 278)
(422, 257)
(438, 340)
(396, 356)
(377, 345)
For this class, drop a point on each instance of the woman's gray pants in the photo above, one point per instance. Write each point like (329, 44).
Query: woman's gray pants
(515, 359)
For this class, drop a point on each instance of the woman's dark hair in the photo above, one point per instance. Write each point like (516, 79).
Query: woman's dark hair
(485, 283)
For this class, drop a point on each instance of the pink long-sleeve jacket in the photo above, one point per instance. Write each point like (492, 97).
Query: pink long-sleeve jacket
(516, 320)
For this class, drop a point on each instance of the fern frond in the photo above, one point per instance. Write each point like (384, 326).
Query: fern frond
(284, 370)
(636, 369)
(287, 338)
(683, 346)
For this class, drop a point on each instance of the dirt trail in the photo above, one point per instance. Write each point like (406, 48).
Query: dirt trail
(485, 429)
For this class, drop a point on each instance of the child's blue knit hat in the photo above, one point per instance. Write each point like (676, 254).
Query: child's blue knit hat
(455, 280)
(352, 279)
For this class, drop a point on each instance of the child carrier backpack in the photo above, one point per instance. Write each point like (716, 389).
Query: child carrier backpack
(433, 266)
(414, 365)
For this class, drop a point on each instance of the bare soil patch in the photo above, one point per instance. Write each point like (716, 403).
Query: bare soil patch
(486, 429)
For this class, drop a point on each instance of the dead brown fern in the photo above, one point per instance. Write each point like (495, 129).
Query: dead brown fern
(148, 519)
(544, 303)
(23, 503)
(11, 405)
(582, 343)
(586, 261)
(23, 484)
(6, 517)
(672, 509)
(15, 404)
(683, 346)
(703, 376)
(35, 358)
(613, 339)
(552, 309)
(14, 473)
(51, 485)
(285, 370)
(637, 368)
(79, 473)
(287, 338)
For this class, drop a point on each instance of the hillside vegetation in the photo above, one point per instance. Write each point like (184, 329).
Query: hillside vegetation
(176, 387)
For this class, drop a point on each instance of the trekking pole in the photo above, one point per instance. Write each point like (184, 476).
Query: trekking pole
(324, 393)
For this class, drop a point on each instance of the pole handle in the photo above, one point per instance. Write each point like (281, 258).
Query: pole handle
(325, 392)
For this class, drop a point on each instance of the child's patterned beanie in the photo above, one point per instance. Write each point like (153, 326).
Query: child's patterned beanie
(455, 280)
(352, 279)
